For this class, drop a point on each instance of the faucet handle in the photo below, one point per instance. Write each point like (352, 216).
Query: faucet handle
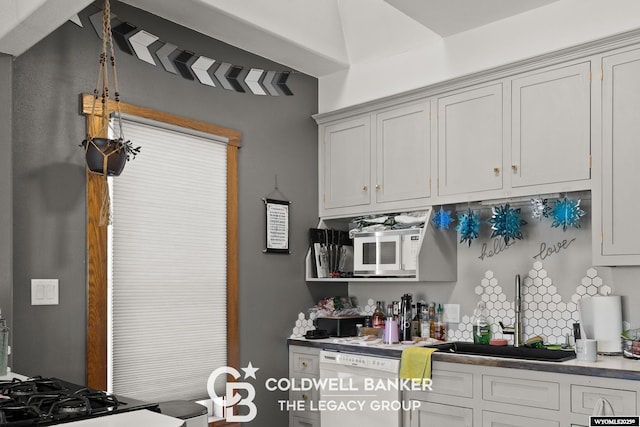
(506, 329)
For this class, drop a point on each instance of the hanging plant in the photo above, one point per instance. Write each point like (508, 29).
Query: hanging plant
(105, 154)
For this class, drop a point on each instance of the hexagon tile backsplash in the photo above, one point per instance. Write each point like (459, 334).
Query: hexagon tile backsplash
(543, 311)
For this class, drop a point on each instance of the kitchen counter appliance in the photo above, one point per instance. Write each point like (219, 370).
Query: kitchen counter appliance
(41, 401)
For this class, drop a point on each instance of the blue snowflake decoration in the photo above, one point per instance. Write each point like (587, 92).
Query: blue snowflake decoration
(566, 213)
(468, 226)
(442, 219)
(540, 208)
(506, 222)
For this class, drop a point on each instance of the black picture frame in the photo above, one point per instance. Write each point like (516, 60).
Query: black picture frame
(276, 226)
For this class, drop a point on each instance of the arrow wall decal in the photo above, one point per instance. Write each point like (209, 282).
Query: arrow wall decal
(200, 69)
(252, 81)
(140, 43)
(210, 72)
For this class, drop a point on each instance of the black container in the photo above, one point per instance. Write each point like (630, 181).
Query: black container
(340, 326)
(103, 152)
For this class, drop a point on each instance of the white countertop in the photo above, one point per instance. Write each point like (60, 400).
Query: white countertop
(130, 419)
(608, 366)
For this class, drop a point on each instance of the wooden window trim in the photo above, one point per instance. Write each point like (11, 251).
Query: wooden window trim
(97, 238)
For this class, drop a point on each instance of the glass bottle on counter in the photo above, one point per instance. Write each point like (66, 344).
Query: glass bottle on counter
(432, 320)
(440, 327)
(481, 327)
(377, 320)
(417, 322)
(425, 322)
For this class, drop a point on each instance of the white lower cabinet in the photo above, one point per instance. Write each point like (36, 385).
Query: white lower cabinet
(437, 414)
(488, 396)
(300, 421)
(303, 363)
(496, 419)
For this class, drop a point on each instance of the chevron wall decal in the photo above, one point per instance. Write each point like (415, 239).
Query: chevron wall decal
(208, 71)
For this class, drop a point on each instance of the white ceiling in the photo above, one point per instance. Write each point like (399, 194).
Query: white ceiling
(316, 37)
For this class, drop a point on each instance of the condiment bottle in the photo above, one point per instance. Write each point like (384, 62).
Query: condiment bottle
(424, 322)
(481, 327)
(440, 329)
(377, 320)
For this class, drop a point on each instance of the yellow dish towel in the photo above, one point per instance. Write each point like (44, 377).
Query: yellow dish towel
(416, 362)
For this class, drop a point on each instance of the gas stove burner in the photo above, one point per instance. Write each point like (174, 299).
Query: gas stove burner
(50, 401)
(71, 406)
(22, 390)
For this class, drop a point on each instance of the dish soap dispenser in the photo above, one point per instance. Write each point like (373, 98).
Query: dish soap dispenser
(481, 327)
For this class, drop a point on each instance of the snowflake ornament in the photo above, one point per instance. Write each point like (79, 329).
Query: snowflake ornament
(442, 219)
(506, 222)
(540, 208)
(468, 226)
(566, 213)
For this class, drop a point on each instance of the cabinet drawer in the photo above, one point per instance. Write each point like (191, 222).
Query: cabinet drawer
(298, 421)
(517, 391)
(452, 383)
(495, 419)
(307, 397)
(436, 414)
(305, 364)
(584, 399)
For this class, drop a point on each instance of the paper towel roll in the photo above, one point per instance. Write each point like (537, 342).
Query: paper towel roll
(601, 318)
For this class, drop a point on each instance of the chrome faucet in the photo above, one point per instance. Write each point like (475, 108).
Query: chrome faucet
(517, 324)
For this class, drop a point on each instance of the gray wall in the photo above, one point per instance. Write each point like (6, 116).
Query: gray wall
(6, 202)
(279, 138)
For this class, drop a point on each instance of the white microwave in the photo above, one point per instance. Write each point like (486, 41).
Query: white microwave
(389, 253)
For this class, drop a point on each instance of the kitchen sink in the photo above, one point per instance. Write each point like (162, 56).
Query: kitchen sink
(526, 353)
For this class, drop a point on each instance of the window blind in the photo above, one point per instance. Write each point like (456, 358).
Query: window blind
(168, 266)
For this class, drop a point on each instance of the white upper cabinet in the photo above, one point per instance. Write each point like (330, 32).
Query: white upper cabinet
(374, 162)
(617, 193)
(551, 126)
(470, 141)
(403, 154)
(345, 170)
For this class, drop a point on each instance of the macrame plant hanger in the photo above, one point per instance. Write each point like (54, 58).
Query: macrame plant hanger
(104, 155)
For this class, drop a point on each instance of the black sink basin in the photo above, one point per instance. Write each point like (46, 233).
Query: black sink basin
(526, 353)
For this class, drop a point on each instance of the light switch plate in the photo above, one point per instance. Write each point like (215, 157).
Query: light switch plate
(44, 292)
(451, 313)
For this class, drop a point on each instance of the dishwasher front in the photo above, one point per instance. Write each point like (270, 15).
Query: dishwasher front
(359, 390)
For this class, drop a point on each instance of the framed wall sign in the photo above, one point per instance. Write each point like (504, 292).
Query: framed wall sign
(277, 226)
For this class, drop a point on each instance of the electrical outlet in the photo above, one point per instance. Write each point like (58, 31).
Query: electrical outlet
(451, 313)
(44, 292)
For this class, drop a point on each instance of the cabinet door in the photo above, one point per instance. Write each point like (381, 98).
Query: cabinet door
(403, 154)
(436, 415)
(620, 154)
(495, 419)
(346, 157)
(470, 138)
(551, 122)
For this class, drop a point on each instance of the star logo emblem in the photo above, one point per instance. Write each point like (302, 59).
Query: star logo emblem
(249, 371)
